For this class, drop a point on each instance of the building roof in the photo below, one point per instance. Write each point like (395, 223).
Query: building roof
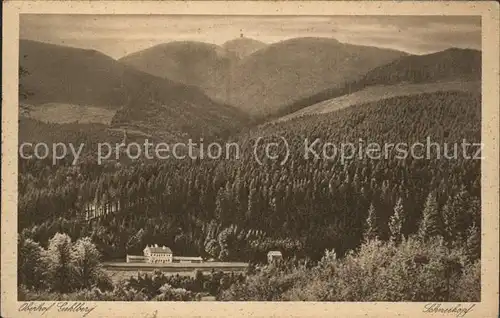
(274, 253)
(156, 249)
(188, 258)
(135, 256)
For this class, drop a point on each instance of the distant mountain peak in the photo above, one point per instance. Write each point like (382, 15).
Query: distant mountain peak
(312, 39)
(243, 46)
(180, 46)
(243, 39)
(290, 70)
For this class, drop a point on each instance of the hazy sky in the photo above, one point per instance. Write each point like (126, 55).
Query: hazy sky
(119, 35)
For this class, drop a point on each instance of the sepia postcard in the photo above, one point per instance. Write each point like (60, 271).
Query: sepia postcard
(250, 158)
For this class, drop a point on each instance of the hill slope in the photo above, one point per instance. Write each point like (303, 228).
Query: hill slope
(58, 74)
(380, 92)
(192, 63)
(448, 68)
(76, 76)
(453, 63)
(281, 73)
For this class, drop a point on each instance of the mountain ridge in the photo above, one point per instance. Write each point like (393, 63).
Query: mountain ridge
(59, 74)
(201, 64)
(295, 68)
(411, 69)
(243, 46)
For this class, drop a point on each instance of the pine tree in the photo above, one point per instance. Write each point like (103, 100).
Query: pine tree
(449, 221)
(396, 221)
(135, 241)
(430, 226)
(30, 264)
(372, 230)
(252, 202)
(473, 244)
(455, 215)
(225, 239)
(220, 205)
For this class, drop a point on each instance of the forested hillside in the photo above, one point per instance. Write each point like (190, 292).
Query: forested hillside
(269, 79)
(193, 63)
(452, 65)
(238, 210)
(380, 92)
(243, 46)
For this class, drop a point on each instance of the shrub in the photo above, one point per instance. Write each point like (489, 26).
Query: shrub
(413, 270)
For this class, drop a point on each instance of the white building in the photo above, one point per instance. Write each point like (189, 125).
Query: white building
(187, 259)
(136, 259)
(155, 254)
(159, 255)
(273, 256)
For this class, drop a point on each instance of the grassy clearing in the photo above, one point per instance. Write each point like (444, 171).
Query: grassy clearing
(60, 113)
